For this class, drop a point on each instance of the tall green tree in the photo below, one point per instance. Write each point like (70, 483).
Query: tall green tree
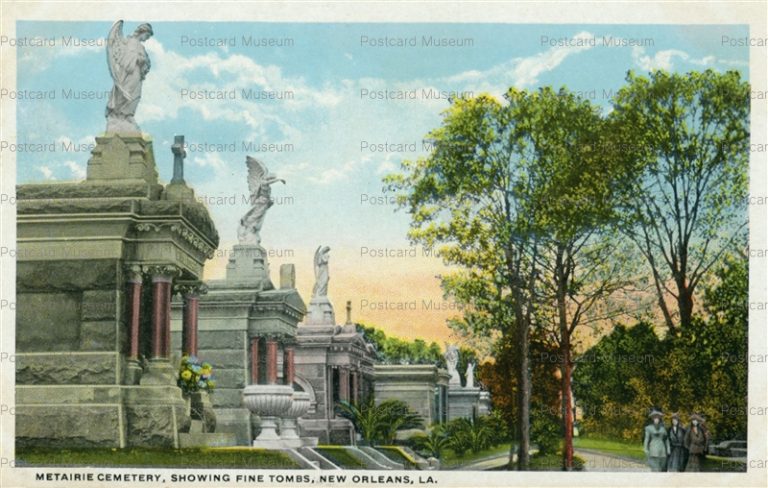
(687, 136)
(574, 201)
(468, 199)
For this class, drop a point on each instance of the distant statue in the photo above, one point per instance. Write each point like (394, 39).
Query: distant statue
(452, 361)
(322, 256)
(128, 64)
(259, 181)
(470, 375)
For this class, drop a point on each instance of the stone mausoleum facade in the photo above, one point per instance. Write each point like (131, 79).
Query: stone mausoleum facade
(98, 263)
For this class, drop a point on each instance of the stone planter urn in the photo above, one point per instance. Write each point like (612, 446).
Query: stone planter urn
(269, 402)
(288, 427)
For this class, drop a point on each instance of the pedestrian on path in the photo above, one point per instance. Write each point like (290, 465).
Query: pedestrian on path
(656, 443)
(696, 441)
(677, 453)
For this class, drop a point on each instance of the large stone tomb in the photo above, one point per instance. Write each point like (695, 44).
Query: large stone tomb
(97, 263)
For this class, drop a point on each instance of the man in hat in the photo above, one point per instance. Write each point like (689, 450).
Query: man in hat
(677, 453)
(656, 443)
(696, 441)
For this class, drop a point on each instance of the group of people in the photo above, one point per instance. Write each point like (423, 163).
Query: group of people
(675, 448)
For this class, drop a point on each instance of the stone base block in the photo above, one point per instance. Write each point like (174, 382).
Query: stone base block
(155, 415)
(463, 402)
(70, 425)
(199, 439)
(320, 312)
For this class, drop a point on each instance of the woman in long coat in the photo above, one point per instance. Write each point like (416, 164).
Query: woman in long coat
(677, 452)
(656, 443)
(696, 441)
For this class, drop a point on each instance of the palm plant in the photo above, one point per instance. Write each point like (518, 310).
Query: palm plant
(434, 442)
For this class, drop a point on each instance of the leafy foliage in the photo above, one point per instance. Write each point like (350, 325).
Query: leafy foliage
(380, 423)
(703, 369)
(393, 350)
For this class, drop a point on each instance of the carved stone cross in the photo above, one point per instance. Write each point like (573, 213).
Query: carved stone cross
(179, 153)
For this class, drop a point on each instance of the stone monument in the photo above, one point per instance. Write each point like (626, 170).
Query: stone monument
(333, 363)
(247, 330)
(467, 401)
(97, 264)
(320, 308)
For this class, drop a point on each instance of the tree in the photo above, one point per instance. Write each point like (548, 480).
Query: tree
(687, 137)
(469, 198)
(574, 203)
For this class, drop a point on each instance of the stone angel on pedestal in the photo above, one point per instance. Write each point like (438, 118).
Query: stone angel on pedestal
(322, 256)
(128, 65)
(259, 181)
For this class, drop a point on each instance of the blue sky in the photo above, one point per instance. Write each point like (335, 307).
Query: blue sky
(326, 120)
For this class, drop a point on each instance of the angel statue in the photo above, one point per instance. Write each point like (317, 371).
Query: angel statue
(259, 180)
(470, 375)
(322, 256)
(128, 64)
(452, 359)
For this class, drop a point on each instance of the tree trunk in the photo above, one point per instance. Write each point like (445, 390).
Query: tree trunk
(565, 388)
(684, 303)
(561, 278)
(523, 398)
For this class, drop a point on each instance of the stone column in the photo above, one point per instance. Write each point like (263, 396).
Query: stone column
(344, 384)
(161, 371)
(271, 361)
(355, 387)
(133, 366)
(289, 368)
(161, 301)
(255, 360)
(191, 294)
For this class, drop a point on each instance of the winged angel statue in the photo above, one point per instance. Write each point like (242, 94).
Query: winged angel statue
(128, 64)
(259, 181)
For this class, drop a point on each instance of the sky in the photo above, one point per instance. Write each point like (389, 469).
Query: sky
(331, 108)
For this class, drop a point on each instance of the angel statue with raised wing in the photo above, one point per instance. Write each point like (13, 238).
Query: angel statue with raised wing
(452, 362)
(322, 256)
(128, 64)
(259, 181)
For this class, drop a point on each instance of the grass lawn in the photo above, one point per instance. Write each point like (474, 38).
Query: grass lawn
(450, 460)
(553, 462)
(339, 456)
(617, 448)
(172, 458)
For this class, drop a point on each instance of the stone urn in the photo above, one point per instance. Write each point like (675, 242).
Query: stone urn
(269, 402)
(298, 408)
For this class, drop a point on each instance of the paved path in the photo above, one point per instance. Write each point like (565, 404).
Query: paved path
(598, 461)
(594, 461)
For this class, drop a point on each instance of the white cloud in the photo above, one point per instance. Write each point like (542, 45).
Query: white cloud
(78, 171)
(522, 72)
(47, 172)
(665, 59)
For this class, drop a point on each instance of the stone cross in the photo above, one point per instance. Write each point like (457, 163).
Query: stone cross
(179, 153)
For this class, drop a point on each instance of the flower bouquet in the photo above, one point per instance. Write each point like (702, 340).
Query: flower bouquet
(195, 376)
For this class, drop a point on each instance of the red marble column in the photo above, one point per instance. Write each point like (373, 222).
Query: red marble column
(271, 361)
(161, 317)
(344, 384)
(254, 360)
(189, 332)
(134, 297)
(289, 367)
(167, 319)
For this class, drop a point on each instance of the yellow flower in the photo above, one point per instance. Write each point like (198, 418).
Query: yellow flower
(186, 375)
